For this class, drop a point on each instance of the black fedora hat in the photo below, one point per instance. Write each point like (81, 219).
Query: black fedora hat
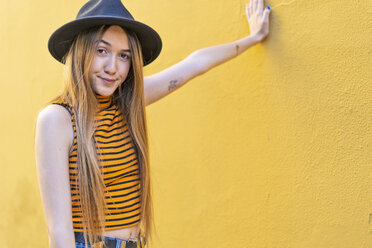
(108, 12)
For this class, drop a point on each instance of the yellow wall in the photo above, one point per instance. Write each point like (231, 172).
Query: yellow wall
(272, 149)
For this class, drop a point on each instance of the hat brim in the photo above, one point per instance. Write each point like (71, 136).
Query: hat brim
(60, 41)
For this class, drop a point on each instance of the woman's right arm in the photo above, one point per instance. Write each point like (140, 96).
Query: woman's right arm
(53, 139)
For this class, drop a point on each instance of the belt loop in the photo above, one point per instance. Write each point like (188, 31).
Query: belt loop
(99, 244)
(123, 243)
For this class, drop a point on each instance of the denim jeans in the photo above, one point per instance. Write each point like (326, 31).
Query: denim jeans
(82, 245)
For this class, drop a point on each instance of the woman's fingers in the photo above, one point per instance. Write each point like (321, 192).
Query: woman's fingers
(266, 14)
(260, 7)
(255, 6)
(254, 2)
(250, 8)
(247, 10)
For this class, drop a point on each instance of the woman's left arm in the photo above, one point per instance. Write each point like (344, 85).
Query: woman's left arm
(161, 84)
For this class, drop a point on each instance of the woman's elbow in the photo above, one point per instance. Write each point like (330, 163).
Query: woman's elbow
(199, 63)
(60, 237)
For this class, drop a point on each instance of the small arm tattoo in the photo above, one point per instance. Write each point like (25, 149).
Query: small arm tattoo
(237, 49)
(172, 85)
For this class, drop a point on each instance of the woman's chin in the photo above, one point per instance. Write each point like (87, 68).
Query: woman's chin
(104, 92)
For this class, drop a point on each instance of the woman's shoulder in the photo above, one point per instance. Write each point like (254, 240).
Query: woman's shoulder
(54, 137)
(54, 113)
(54, 121)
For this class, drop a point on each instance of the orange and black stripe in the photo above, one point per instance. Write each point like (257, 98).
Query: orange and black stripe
(119, 167)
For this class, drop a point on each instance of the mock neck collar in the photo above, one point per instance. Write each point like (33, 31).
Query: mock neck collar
(104, 101)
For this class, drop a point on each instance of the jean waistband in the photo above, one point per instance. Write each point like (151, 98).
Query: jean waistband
(111, 242)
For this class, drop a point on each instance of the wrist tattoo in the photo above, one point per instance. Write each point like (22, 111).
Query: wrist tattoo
(237, 49)
(172, 85)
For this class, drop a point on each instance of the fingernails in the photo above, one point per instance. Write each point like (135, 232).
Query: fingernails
(268, 7)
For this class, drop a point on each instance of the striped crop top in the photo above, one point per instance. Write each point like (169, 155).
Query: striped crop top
(119, 167)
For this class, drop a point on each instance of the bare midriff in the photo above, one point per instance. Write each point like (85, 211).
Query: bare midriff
(123, 233)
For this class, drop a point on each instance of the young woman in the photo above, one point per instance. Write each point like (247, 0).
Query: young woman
(91, 141)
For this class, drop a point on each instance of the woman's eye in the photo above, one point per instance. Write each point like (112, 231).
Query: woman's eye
(125, 56)
(101, 51)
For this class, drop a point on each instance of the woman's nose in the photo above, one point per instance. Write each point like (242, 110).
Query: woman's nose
(110, 67)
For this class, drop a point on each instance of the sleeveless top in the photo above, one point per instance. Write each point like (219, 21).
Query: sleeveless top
(119, 167)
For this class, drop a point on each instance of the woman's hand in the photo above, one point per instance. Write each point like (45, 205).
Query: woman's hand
(258, 18)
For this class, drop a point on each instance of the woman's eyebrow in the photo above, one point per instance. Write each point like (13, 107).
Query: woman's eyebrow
(108, 43)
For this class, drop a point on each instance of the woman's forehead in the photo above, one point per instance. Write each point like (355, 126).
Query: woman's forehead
(116, 37)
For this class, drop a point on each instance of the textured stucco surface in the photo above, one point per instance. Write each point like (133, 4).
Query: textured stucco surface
(272, 149)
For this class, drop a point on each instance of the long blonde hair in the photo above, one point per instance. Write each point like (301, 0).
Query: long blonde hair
(129, 97)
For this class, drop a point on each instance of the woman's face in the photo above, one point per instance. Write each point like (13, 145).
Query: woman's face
(111, 62)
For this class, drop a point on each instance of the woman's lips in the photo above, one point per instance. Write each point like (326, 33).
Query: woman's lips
(108, 80)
